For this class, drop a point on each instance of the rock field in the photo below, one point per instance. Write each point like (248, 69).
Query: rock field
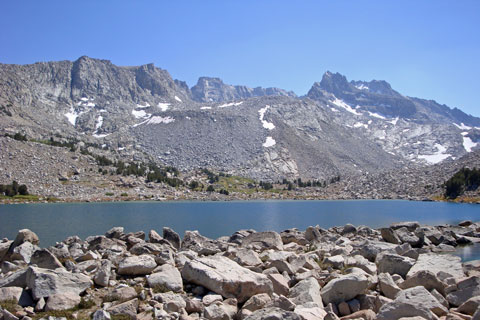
(400, 272)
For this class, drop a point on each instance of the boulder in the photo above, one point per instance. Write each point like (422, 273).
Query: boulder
(362, 314)
(337, 262)
(387, 286)
(225, 277)
(121, 293)
(172, 237)
(193, 240)
(389, 235)
(4, 246)
(412, 302)
(280, 284)
(369, 249)
(45, 282)
(16, 279)
(220, 311)
(470, 306)
(344, 288)
(114, 233)
(312, 234)
(154, 237)
(101, 314)
(10, 293)
(439, 264)
(136, 265)
(210, 298)
(246, 257)
(167, 278)
(293, 236)
(43, 258)
(306, 291)
(310, 313)
(394, 264)
(257, 302)
(424, 278)
(62, 301)
(273, 314)
(467, 288)
(128, 308)
(414, 239)
(263, 240)
(23, 252)
(348, 228)
(103, 273)
(409, 225)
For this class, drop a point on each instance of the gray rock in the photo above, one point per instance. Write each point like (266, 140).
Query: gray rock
(121, 293)
(344, 288)
(280, 284)
(247, 257)
(210, 298)
(101, 314)
(273, 314)
(446, 264)
(412, 302)
(220, 311)
(137, 265)
(62, 301)
(10, 293)
(470, 306)
(43, 258)
(226, 277)
(409, 225)
(172, 237)
(103, 273)
(425, 279)
(370, 249)
(166, 277)
(45, 282)
(306, 291)
(264, 240)
(310, 313)
(389, 235)
(414, 239)
(256, 302)
(467, 288)
(193, 240)
(23, 252)
(128, 308)
(394, 264)
(343, 309)
(387, 286)
(114, 233)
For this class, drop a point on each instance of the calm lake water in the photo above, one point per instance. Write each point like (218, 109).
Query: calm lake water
(55, 222)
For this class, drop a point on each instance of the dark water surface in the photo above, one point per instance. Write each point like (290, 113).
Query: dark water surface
(55, 222)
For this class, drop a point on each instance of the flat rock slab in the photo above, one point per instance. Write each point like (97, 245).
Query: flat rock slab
(344, 288)
(226, 277)
(445, 264)
(45, 282)
(137, 265)
(168, 277)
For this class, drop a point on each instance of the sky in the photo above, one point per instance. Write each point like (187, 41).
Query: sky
(425, 49)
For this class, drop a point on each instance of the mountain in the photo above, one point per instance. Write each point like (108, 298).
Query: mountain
(141, 113)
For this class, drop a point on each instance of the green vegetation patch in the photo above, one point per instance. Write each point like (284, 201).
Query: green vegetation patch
(463, 180)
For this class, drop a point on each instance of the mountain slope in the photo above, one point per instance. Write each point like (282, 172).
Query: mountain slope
(340, 127)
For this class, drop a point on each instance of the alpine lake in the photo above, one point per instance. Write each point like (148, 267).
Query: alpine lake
(54, 222)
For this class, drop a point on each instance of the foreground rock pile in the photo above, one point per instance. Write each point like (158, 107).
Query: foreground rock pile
(400, 272)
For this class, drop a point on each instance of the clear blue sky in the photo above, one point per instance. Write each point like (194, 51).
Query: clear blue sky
(427, 49)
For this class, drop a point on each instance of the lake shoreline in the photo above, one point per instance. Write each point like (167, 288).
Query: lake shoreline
(389, 272)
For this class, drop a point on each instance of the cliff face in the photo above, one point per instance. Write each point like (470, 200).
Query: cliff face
(340, 127)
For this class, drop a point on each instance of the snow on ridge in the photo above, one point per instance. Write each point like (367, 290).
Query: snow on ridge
(265, 123)
(437, 157)
(362, 87)
(178, 99)
(269, 142)
(376, 115)
(230, 104)
(341, 103)
(394, 121)
(468, 144)
(462, 126)
(157, 120)
(163, 106)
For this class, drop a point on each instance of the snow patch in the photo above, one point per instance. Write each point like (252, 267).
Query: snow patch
(178, 99)
(99, 123)
(376, 115)
(103, 135)
(265, 123)
(157, 120)
(139, 106)
(139, 114)
(270, 142)
(121, 148)
(163, 106)
(341, 103)
(230, 104)
(84, 99)
(468, 144)
(205, 108)
(72, 116)
(461, 126)
(334, 110)
(359, 125)
(394, 121)
(437, 157)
